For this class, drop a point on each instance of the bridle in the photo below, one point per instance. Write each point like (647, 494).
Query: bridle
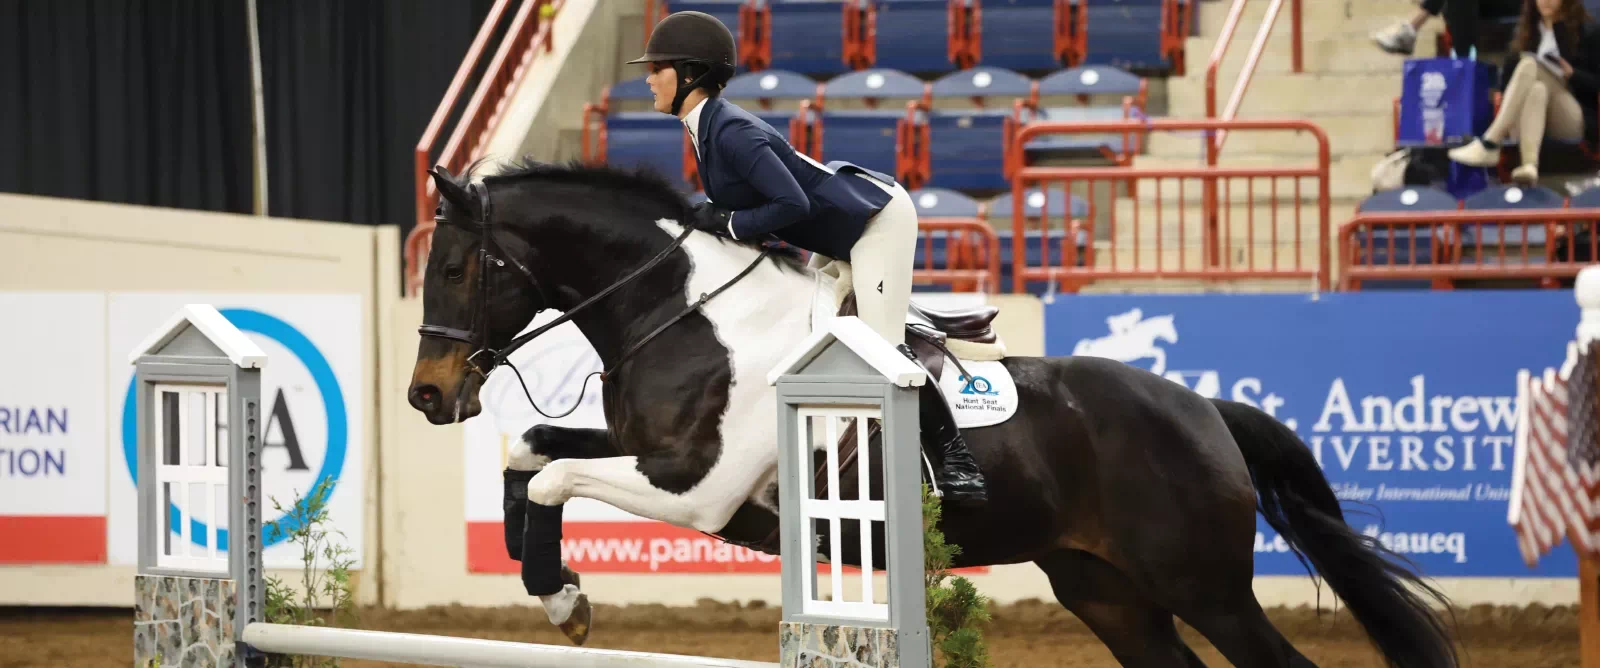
(491, 255)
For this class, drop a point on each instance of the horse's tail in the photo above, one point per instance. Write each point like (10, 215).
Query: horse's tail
(1297, 501)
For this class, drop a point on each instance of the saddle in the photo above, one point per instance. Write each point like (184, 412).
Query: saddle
(930, 342)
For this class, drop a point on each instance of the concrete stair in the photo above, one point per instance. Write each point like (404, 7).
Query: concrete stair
(1348, 177)
(1292, 95)
(1239, 218)
(1349, 133)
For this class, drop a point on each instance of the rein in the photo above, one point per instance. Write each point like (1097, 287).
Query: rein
(479, 334)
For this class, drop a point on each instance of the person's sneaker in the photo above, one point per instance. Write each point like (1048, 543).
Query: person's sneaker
(1476, 154)
(1400, 38)
(1527, 175)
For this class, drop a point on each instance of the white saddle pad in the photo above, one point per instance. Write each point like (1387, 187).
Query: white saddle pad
(988, 398)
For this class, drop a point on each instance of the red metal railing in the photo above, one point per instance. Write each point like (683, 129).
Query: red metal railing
(1024, 110)
(1251, 59)
(860, 34)
(530, 27)
(972, 254)
(964, 32)
(1510, 255)
(1071, 32)
(1177, 19)
(1253, 243)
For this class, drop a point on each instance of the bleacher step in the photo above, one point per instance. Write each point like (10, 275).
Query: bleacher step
(1293, 95)
(1339, 52)
(1348, 134)
(1259, 258)
(1348, 177)
(1317, 16)
(1172, 217)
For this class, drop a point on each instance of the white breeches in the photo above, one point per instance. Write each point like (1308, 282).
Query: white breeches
(881, 262)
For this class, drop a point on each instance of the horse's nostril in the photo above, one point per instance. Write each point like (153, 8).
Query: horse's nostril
(424, 397)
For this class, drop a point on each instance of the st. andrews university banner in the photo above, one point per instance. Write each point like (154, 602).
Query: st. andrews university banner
(1408, 399)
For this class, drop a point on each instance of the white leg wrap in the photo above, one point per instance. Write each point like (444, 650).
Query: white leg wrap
(521, 457)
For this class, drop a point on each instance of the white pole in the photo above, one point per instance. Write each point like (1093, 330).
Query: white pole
(461, 652)
(258, 120)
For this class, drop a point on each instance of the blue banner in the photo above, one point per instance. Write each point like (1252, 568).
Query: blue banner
(1408, 399)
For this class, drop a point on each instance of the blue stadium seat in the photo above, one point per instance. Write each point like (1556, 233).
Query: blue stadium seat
(1018, 34)
(631, 90)
(863, 137)
(766, 86)
(807, 36)
(874, 84)
(1402, 200)
(945, 203)
(1091, 80)
(770, 84)
(1125, 33)
(647, 138)
(1086, 82)
(1054, 207)
(643, 138)
(1502, 198)
(866, 137)
(992, 86)
(912, 35)
(966, 146)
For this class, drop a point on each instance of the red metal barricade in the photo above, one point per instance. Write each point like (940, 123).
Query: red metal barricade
(1071, 32)
(1468, 245)
(964, 34)
(529, 29)
(971, 255)
(1177, 21)
(1225, 223)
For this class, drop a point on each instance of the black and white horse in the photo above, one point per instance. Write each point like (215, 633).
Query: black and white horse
(1135, 495)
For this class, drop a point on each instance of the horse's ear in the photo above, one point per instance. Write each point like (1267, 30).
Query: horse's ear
(450, 190)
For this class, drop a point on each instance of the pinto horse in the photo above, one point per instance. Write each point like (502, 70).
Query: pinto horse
(1135, 495)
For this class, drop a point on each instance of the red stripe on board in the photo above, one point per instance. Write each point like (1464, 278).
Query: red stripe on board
(52, 539)
(629, 547)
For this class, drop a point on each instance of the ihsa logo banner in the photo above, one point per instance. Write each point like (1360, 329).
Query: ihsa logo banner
(313, 401)
(1407, 399)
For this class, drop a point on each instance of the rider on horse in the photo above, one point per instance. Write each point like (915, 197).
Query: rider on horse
(757, 186)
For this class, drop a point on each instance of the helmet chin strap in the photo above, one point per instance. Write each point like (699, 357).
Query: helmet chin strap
(684, 89)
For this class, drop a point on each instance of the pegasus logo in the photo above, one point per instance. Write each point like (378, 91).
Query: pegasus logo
(1133, 337)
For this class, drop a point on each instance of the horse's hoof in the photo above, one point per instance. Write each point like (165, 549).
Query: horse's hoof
(577, 625)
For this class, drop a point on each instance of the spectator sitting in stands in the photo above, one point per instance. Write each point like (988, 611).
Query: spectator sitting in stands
(1554, 89)
(1461, 18)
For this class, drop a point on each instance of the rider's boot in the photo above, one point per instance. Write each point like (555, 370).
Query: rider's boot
(958, 477)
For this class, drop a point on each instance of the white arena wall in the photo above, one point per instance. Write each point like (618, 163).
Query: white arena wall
(102, 270)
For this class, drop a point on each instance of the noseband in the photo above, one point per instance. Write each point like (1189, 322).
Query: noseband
(492, 255)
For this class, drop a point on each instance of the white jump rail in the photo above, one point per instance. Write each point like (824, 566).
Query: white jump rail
(199, 596)
(447, 651)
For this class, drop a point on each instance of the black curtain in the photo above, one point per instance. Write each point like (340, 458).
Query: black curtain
(350, 85)
(130, 101)
(149, 101)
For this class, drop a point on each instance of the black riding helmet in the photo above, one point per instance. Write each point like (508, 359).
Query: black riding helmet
(700, 48)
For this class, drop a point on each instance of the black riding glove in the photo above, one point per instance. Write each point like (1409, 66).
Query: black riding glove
(707, 217)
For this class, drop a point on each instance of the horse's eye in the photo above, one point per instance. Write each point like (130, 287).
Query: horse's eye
(453, 272)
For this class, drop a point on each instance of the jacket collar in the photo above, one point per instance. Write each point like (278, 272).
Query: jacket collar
(695, 121)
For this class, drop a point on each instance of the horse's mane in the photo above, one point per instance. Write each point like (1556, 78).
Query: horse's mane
(642, 181)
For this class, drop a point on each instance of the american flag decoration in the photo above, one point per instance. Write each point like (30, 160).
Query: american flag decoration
(1556, 478)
